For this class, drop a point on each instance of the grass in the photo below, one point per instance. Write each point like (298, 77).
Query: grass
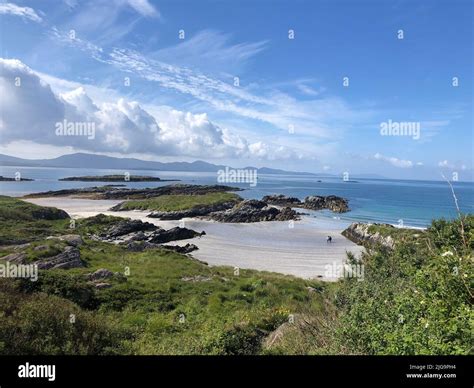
(168, 304)
(21, 221)
(415, 299)
(169, 203)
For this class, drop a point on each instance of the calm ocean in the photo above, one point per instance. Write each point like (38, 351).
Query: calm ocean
(370, 200)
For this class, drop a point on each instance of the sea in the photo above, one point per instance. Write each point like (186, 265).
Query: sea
(407, 203)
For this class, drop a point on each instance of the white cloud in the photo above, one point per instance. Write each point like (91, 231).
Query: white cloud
(394, 161)
(32, 110)
(144, 8)
(23, 12)
(308, 90)
(211, 50)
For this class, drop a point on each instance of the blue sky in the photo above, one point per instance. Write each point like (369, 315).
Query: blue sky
(290, 109)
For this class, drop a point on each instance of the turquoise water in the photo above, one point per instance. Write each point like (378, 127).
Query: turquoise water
(371, 200)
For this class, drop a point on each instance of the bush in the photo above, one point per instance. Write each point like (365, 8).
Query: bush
(49, 325)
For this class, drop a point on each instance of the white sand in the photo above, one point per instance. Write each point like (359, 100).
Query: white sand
(269, 246)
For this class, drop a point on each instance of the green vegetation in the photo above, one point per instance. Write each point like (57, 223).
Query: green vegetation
(415, 299)
(22, 221)
(167, 203)
(400, 234)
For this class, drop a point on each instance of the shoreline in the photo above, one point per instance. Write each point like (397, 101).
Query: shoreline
(272, 246)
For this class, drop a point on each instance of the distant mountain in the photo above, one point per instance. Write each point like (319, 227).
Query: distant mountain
(92, 161)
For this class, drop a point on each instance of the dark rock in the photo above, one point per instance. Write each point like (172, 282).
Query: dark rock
(164, 236)
(7, 179)
(139, 246)
(331, 202)
(281, 200)
(128, 226)
(181, 249)
(254, 211)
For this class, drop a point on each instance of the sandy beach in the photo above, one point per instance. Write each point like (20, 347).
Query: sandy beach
(300, 250)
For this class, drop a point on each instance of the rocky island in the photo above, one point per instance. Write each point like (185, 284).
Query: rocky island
(117, 178)
(312, 202)
(116, 192)
(8, 179)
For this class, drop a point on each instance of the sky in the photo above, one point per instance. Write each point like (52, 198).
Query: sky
(298, 85)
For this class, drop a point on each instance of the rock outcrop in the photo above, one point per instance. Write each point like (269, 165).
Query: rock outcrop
(129, 226)
(197, 211)
(253, 210)
(174, 234)
(360, 234)
(69, 258)
(331, 202)
(129, 232)
(312, 202)
(282, 200)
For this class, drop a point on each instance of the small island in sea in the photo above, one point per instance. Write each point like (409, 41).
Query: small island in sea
(8, 179)
(116, 178)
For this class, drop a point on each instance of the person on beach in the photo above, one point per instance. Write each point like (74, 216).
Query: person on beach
(329, 239)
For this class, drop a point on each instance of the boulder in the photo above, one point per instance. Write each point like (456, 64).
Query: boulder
(100, 274)
(69, 258)
(164, 236)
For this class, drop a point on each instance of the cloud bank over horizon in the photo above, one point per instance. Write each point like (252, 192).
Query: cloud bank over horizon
(32, 111)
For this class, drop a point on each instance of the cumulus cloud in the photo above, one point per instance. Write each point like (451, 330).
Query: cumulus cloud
(23, 12)
(33, 110)
(394, 161)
